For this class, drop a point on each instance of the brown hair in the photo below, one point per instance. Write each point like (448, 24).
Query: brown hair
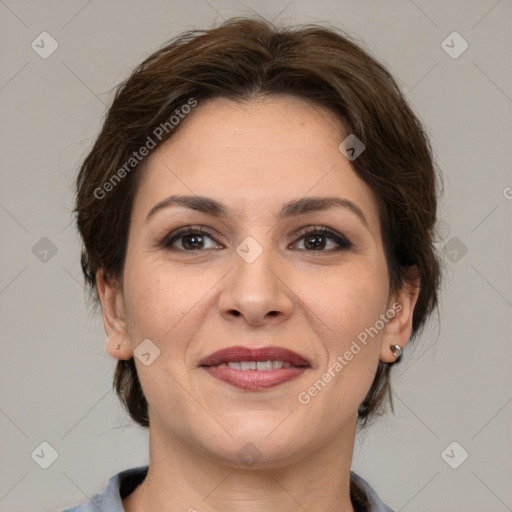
(238, 60)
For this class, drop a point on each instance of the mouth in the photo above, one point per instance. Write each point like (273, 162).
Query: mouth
(255, 369)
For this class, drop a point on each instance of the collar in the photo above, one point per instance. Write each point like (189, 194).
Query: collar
(124, 483)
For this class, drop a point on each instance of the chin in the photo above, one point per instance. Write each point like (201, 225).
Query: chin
(256, 445)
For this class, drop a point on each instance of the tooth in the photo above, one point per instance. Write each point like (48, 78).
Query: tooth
(259, 365)
(264, 366)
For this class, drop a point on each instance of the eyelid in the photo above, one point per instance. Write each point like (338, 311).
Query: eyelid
(168, 239)
(341, 240)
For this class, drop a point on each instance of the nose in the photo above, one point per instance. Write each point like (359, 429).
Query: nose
(257, 292)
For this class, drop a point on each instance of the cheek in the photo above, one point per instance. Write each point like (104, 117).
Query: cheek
(169, 308)
(347, 304)
(356, 315)
(347, 300)
(156, 301)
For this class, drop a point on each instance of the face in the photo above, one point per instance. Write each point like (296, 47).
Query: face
(244, 257)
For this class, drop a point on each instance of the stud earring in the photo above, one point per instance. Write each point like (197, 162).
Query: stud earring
(117, 346)
(397, 350)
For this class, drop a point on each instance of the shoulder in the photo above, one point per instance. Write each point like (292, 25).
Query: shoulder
(118, 486)
(364, 496)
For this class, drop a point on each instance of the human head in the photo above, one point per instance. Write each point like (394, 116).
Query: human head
(244, 59)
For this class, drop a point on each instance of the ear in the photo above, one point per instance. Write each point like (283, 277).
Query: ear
(112, 304)
(398, 329)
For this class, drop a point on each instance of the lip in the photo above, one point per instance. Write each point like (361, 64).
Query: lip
(240, 353)
(254, 380)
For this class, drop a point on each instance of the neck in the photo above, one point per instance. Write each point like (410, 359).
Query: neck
(183, 477)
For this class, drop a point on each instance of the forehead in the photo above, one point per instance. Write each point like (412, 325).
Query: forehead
(254, 156)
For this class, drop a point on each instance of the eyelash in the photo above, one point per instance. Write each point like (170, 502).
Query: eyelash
(342, 241)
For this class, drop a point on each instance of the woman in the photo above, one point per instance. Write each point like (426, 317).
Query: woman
(257, 216)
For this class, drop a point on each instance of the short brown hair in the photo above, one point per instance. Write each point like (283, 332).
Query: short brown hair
(241, 59)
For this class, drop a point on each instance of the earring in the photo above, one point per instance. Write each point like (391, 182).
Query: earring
(397, 350)
(117, 346)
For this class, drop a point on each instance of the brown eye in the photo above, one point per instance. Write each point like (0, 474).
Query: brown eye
(317, 239)
(189, 239)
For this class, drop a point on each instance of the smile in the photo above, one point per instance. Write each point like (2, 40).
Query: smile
(261, 366)
(254, 369)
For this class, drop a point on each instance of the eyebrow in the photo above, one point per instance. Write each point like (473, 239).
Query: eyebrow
(290, 209)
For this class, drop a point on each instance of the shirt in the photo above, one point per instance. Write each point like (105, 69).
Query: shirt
(124, 483)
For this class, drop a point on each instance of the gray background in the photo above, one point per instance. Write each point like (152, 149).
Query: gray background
(55, 374)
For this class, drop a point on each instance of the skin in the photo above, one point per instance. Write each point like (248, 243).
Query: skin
(253, 158)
